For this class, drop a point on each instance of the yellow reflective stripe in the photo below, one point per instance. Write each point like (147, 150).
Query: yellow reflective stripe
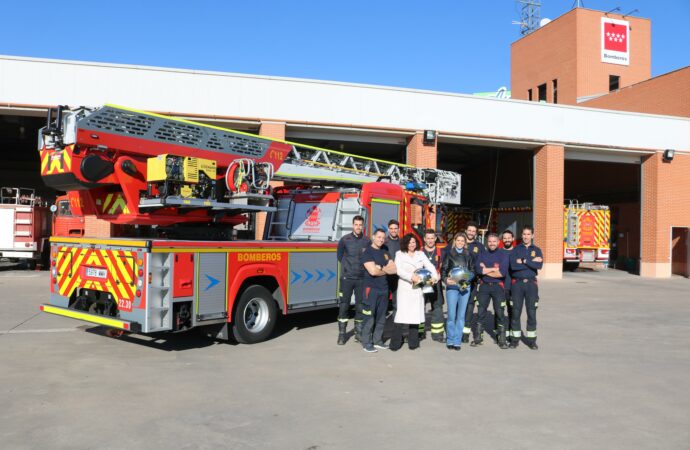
(466, 330)
(381, 200)
(530, 334)
(517, 334)
(84, 316)
(358, 320)
(366, 312)
(116, 242)
(343, 320)
(437, 325)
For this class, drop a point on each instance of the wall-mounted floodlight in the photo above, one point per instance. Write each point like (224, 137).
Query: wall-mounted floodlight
(429, 136)
(669, 154)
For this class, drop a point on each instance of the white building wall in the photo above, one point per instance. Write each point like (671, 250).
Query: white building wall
(29, 81)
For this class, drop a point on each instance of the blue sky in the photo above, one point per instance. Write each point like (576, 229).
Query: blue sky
(457, 46)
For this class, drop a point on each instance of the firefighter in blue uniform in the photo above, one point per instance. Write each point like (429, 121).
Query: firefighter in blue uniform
(507, 241)
(350, 249)
(476, 248)
(491, 265)
(378, 266)
(526, 260)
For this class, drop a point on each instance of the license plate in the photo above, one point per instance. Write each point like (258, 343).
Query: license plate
(588, 255)
(96, 273)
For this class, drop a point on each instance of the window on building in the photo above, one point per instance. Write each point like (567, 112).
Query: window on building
(529, 94)
(614, 82)
(542, 92)
(554, 83)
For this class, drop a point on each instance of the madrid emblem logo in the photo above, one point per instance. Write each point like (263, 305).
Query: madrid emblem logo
(615, 41)
(312, 223)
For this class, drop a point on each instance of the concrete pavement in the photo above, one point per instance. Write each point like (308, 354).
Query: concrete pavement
(611, 372)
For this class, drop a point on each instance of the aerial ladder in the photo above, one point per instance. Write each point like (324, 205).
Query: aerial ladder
(139, 168)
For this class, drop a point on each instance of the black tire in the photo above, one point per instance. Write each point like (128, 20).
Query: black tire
(255, 315)
(571, 266)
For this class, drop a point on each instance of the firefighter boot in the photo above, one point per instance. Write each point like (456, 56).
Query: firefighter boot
(438, 337)
(422, 331)
(532, 344)
(502, 339)
(465, 338)
(513, 342)
(478, 338)
(438, 332)
(342, 329)
(358, 331)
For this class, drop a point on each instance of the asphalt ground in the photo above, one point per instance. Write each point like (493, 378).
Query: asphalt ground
(611, 372)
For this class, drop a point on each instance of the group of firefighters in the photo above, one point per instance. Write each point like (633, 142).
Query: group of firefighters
(386, 267)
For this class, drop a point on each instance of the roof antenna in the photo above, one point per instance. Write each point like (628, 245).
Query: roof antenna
(630, 13)
(617, 8)
(530, 11)
(578, 4)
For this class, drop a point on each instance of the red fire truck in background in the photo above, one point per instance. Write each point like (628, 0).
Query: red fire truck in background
(65, 222)
(586, 234)
(586, 228)
(179, 188)
(24, 225)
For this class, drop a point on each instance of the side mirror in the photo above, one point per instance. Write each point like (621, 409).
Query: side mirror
(53, 208)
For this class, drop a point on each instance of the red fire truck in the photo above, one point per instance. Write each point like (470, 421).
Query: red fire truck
(24, 225)
(181, 187)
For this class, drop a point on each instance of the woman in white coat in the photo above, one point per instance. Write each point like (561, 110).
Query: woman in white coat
(410, 312)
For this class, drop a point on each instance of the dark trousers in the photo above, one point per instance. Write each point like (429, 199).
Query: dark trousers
(349, 286)
(509, 312)
(525, 291)
(393, 288)
(397, 336)
(437, 320)
(469, 311)
(374, 306)
(492, 292)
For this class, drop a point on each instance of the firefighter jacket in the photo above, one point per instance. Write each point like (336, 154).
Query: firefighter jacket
(350, 249)
(529, 268)
(496, 259)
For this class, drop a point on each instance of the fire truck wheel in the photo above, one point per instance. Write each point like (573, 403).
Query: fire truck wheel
(255, 316)
(571, 266)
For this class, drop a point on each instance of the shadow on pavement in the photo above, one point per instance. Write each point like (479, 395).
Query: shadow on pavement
(195, 338)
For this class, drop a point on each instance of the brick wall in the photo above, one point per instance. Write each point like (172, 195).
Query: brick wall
(548, 207)
(275, 130)
(95, 227)
(544, 55)
(421, 154)
(665, 200)
(592, 74)
(568, 49)
(667, 94)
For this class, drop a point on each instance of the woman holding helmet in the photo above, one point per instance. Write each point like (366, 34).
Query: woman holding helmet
(456, 270)
(415, 272)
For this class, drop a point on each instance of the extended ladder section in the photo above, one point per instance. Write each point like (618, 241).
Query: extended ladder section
(306, 163)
